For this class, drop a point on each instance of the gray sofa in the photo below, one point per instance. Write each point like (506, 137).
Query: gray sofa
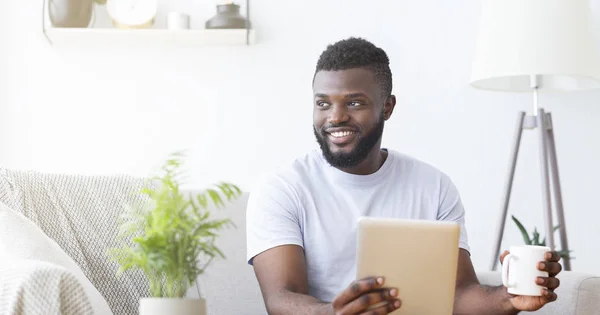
(83, 210)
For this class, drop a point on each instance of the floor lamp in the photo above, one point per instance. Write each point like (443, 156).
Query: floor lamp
(536, 46)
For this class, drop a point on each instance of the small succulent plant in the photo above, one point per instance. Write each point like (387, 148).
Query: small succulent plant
(534, 239)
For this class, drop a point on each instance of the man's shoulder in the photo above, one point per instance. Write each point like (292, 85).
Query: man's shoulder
(410, 165)
(417, 171)
(292, 173)
(298, 165)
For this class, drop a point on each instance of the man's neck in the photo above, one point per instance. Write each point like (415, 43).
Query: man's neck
(370, 165)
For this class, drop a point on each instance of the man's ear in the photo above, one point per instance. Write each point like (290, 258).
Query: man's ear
(388, 106)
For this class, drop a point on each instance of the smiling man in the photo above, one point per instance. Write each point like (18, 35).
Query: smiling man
(302, 220)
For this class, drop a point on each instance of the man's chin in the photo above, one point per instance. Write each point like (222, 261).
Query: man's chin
(341, 159)
(341, 151)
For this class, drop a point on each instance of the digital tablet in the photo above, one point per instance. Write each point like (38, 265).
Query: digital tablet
(418, 257)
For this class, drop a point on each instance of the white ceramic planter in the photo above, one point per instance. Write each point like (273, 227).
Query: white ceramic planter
(162, 306)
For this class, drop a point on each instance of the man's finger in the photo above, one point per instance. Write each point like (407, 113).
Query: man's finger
(384, 309)
(552, 256)
(550, 283)
(503, 255)
(549, 295)
(357, 288)
(370, 299)
(553, 268)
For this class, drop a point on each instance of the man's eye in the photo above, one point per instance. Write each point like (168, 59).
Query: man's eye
(354, 103)
(322, 104)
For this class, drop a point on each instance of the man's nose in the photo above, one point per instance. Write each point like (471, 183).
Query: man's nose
(338, 114)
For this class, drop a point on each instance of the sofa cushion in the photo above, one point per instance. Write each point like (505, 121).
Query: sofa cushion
(21, 241)
(578, 293)
(80, 213)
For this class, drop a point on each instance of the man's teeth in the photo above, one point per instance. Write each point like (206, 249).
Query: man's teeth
(339, 134)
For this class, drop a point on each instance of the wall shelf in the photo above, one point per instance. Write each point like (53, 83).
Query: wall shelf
(107, 36)
(144, 37)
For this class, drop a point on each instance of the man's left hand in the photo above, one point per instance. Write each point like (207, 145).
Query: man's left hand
(533, 303)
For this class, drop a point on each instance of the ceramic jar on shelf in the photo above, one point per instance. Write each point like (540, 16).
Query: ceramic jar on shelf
(228, 17)
(70, 13)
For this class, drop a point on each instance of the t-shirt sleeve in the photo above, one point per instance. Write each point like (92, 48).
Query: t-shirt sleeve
(451, 209)
(272, 218)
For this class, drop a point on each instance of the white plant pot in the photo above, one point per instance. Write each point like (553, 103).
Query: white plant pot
(172, 306)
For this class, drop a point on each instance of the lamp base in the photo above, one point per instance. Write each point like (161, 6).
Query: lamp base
(542, 122)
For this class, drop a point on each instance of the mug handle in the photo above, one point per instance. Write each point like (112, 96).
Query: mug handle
(505, 270)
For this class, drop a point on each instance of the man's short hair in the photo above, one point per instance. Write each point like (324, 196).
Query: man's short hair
(358, 53)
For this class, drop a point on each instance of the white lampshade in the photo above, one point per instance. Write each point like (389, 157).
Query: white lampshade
(553, 39)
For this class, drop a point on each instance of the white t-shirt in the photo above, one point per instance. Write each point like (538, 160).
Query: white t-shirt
(316, 206)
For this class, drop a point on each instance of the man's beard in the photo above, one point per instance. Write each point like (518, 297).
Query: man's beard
(358, 154)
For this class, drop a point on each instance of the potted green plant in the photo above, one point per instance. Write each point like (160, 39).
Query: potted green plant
(534, 239)
(167, 237)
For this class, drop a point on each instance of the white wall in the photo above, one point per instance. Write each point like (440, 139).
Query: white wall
(3, 81)
(244, 110)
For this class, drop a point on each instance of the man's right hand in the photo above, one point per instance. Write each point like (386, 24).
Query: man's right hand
(363, 294)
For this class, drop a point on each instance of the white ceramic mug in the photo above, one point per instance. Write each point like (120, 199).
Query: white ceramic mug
(520, 270)
(178, 21)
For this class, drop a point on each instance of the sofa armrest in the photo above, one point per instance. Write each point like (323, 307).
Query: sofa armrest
(29, 287)
(578, 293)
